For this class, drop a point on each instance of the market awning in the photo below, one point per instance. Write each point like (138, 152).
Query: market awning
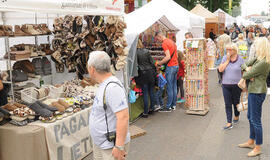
(201, 11)
(89, 7)
(166, 23)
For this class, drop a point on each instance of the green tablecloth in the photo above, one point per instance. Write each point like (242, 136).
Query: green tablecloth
(136, 109)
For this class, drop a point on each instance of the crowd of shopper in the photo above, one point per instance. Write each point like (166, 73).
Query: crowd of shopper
(244, 53)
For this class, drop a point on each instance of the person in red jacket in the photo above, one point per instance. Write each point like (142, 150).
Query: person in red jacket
(180, 78)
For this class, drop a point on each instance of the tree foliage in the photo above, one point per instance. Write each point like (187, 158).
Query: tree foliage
(211, 5)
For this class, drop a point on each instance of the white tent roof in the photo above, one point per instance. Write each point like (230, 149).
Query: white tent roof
(243, 21)
(209, 16)
(89, 7)
(229, 20)
(141, 19)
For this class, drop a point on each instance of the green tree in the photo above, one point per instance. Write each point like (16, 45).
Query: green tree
(211, 5)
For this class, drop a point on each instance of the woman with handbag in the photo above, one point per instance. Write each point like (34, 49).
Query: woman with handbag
(231, 69)
(256, 70)
(146, 78)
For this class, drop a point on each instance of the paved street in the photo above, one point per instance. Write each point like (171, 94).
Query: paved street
(178, 136)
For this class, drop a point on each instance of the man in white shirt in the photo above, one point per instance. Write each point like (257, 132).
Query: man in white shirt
(112, 120)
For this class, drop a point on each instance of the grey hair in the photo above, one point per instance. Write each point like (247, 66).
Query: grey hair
(100, 60)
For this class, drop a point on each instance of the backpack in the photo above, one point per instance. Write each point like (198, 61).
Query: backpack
(243, 51)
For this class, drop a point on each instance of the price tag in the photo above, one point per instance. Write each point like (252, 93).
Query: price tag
(195, 44)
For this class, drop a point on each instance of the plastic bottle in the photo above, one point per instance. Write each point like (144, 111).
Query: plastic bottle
(41, 82)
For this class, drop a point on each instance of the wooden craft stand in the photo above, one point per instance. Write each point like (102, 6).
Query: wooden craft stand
(196, 83)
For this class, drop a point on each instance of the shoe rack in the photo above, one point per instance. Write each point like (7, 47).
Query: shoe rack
(196, 81)
(11, 62)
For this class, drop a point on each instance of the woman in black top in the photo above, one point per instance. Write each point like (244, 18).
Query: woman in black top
(146, 77)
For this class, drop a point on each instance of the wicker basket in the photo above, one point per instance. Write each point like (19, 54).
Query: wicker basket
(29, 95)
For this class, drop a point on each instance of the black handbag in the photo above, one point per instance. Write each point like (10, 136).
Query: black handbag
(18, 76)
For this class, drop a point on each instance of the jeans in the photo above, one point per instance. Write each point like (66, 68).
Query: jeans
(231, 95)
(148, 89)
(254, 115)
(171, 77)
(159, 98)
(180, 86)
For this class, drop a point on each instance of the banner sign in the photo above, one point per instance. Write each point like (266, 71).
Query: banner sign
(69, 138)
(89, 7)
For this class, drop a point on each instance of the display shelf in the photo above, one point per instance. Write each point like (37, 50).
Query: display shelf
(196, 80)
(30, 59)
(29, 80)
(6, 82)
(26, 36)
(10, 63)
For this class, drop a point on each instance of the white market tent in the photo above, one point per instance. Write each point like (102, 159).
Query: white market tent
(89, 7)
(209, 16)
(229, 20)
(141, 19)
(242, 21)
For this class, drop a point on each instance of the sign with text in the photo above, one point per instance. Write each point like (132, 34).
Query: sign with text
(69, 138)
(88, 7)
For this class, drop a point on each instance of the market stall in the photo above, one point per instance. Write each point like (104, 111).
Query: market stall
(156, 51)
(139, 20)
(211, 20)
(53, 110)
(229, 20)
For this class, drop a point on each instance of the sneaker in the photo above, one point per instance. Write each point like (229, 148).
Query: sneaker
(235, 121)
(182, 100)
(173, 108)
(157, 108)
(165, 110)
(150, 112)
(228, 127)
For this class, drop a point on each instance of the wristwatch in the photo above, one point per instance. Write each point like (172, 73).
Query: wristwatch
(121, 148)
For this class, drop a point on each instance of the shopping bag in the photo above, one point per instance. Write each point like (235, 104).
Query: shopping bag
(242, 84)
(132, 96)
(161, 81)
(243, 105)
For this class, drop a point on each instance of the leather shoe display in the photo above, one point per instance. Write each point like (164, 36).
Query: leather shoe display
(19, 32)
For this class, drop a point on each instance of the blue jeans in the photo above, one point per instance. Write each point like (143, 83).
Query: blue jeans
(254, 115)
(159, 98)
(171, 77)
(231, 94)
(148, 89)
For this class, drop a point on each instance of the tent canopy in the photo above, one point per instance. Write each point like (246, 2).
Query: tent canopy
(244, 22)
(89, 7)
(201, 11)
(144, 17)
(229, 20)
